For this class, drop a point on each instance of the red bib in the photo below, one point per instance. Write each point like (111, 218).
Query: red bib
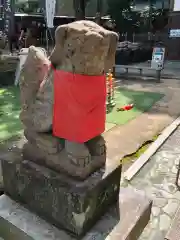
(79, 106)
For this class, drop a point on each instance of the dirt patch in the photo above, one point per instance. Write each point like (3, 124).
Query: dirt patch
(125, 140)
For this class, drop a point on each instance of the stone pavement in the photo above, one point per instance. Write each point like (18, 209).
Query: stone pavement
(157, 180)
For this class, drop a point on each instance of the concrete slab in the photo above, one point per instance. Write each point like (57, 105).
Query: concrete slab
(16, 222)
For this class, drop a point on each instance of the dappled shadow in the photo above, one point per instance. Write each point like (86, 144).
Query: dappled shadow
(142, 100)
(168, 104)
(10, 124)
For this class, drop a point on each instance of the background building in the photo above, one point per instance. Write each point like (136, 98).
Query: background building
(174, 25)
(63, 7)
(158, 4)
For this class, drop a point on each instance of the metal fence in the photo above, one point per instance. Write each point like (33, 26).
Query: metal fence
(143, 37)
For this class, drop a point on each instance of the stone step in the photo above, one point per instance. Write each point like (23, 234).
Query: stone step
(16, 222)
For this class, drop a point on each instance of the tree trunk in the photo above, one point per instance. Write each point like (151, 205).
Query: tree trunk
(98, 12)
(79, 9)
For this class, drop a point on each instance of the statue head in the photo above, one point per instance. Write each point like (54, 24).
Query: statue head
(84, 47)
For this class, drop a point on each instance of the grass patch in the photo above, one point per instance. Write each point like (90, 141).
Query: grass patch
(142, 101)
(134, 156)
(10, 125)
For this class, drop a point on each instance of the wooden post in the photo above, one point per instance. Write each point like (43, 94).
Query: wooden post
(158, 76)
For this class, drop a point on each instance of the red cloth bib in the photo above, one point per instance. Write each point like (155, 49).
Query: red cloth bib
(79, 106)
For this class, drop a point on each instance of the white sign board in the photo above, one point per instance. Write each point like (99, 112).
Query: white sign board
(22, 59)
(176, 5)
(158, 55)
(50, 12)
(174, 33)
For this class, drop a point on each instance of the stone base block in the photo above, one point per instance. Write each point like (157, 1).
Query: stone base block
(61, 162)
(65, 202)
(125, 221)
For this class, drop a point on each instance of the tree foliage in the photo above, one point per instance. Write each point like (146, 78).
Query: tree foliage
(128, 20)
(30, 7)
(120, 11)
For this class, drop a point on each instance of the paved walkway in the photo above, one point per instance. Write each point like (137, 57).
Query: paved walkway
(157, 180)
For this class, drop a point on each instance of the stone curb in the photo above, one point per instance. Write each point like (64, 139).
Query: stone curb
(144, 158)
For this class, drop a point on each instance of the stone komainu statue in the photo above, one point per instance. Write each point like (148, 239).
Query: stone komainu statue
(63, 99)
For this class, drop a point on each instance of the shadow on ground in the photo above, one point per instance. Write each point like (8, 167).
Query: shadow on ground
(168, 104)
(10, 124)
(143, 102)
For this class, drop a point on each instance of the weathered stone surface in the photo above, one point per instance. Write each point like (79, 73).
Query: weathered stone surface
(177, 195)
(131, 223)
(45, 141)
(36, 79)
(65, 202)
(160, 202)
(156, 235)
(36, 113)
(16, 222)
(67, 160)
(164, 223)
(174, 232)
(78, 153)
(91, 44)
(127, 220)
(171, 207)
(33, 72)
(46, 174)
(156, 211)
(37, 96)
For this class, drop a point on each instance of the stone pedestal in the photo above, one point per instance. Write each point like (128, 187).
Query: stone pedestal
(63, 201)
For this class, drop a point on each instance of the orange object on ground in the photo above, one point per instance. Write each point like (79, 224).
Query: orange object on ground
(79, 106)
(126, 108)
